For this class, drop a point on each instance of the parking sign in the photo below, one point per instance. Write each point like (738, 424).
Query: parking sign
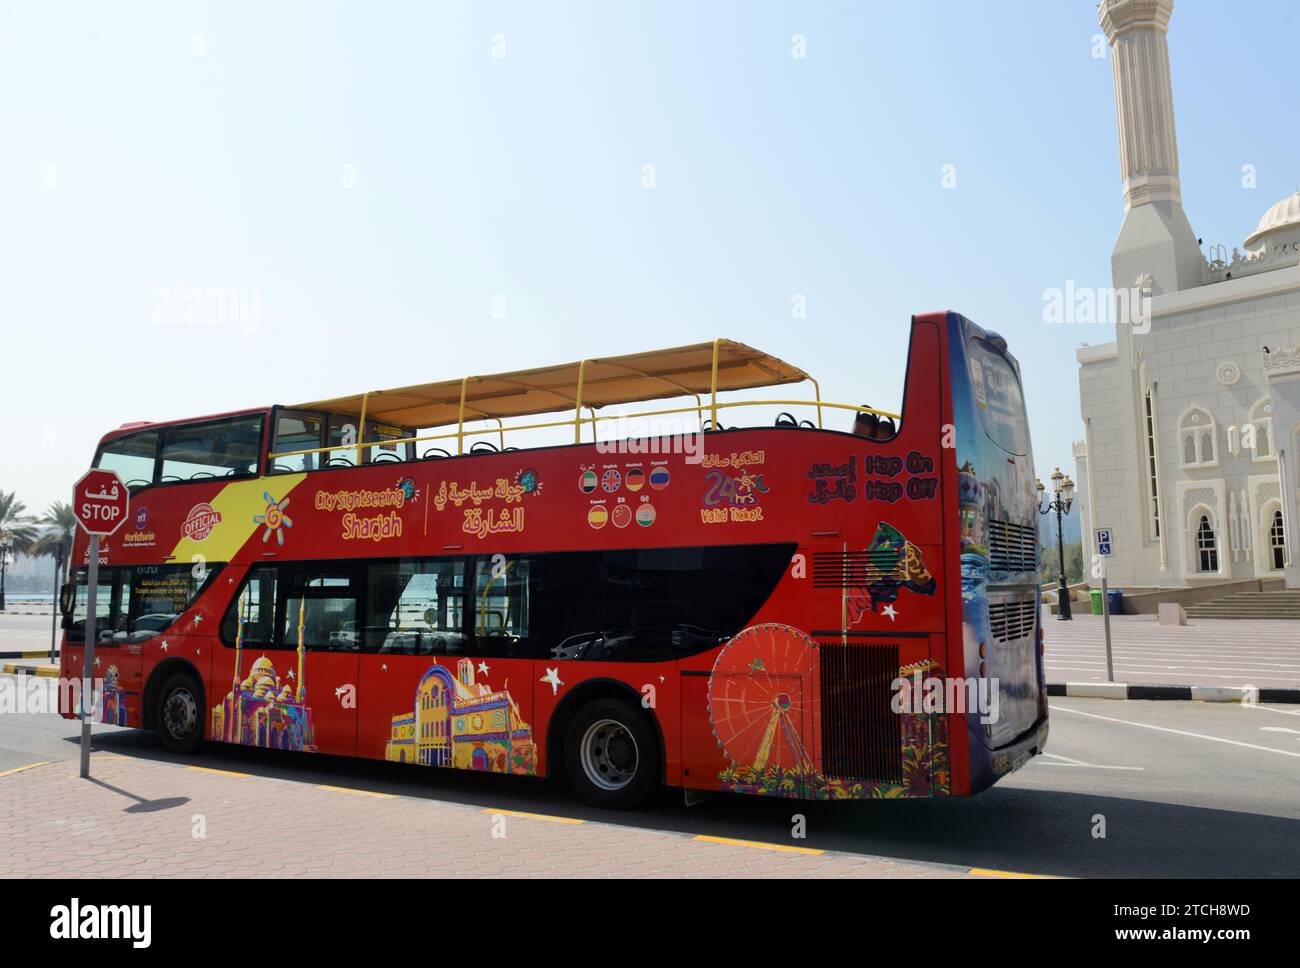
(1103, 541)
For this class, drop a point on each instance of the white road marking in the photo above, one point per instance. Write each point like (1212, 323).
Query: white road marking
(1177, 732)
(1271, 709)
(1067, 761)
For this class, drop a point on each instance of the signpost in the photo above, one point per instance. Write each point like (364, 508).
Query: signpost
(1099, 571)
(100, 502)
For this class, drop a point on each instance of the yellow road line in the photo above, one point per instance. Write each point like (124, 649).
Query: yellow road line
(208, 769)
(45, 671)
(786, 848)
(360, 793)
(990, 872)
(24, 769)
(533, 816)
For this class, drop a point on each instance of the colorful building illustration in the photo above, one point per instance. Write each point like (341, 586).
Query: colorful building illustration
(261, 710)
(114, 708)
(458, 722)
(763, 697)
(971, 502)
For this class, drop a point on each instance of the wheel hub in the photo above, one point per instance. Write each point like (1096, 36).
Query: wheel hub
(609, 754)
(180, 713)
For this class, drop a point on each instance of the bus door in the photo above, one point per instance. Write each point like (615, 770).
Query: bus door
(289, 669)
(118, 662)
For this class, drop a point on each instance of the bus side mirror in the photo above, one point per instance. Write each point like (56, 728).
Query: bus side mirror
(67, 601)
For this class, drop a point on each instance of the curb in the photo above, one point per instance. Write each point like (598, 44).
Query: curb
(1121, 690)
(44, 671)
(30, 654)
(10, 611)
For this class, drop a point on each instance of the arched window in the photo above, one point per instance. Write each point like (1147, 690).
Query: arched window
(1261, 429)
(1277, 542)
(1207, 546)
(1197, 437)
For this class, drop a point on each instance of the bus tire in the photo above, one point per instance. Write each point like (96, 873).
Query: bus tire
(611, 754)
(179, 713)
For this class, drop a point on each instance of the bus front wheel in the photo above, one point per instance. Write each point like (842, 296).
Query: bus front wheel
(611, 754)
(179, 713)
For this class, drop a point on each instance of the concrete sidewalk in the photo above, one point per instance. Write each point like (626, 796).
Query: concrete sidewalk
(141, 818)
(1205, 652)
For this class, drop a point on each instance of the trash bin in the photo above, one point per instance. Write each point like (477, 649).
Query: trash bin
(1096, 600)
(1115, 601)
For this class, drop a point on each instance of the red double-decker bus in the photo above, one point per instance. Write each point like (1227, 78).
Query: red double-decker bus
(780, 609)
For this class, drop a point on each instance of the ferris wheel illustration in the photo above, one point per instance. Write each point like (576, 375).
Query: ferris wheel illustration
(761, 692)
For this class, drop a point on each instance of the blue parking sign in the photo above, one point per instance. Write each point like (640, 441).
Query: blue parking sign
(1103, 541)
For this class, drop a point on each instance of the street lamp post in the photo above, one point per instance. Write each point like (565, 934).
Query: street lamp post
(59, 551)
(1062, 498)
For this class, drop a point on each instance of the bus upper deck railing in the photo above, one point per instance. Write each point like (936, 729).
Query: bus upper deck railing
(576, 422)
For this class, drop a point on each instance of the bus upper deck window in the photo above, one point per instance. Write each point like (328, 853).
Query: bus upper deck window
(132, 457)
(218, 448)
(298, 431)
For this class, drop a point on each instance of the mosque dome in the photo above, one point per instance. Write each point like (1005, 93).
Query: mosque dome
(262, 667)
(1284, 216)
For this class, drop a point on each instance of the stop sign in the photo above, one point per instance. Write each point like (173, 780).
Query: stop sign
(100, 501)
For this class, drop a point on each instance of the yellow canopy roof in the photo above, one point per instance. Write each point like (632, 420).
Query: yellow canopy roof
(652, 375)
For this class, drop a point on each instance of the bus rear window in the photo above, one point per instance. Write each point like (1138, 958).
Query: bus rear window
(998, 398)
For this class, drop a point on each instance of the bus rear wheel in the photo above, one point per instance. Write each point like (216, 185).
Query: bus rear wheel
(178, 714)
(611, 754)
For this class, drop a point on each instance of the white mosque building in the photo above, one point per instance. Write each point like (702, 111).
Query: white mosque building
(1191, 418)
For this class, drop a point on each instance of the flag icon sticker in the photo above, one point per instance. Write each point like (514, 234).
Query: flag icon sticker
(645, 515)
(635, 479)
(611, 480)
(659, 478)
(587, 482)
(597, 517)
(622, 515)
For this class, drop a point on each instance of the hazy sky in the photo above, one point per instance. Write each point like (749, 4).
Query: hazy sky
(381, 178)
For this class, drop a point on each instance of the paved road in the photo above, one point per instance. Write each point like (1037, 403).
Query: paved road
(21, 633)
(1205, 652)
(1185, 789)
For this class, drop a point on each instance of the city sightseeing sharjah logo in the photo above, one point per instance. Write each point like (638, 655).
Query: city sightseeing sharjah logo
(273, 518)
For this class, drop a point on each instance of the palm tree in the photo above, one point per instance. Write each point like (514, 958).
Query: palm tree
(55, 538)
(16, 533)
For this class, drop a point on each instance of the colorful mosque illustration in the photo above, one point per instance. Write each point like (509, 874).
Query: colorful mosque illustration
(114, 710)
(260, 710)
(457, 722)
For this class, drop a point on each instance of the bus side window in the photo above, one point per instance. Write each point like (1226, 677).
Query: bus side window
(501, 605)
(320, 607)
(297, 431)
(416, 607)
(255, 604)
(105, 601)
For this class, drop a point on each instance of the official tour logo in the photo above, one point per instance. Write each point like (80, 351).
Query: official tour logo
(200, 522)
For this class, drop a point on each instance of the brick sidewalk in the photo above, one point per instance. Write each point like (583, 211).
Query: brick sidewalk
(137, 818)
(1205, 652)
